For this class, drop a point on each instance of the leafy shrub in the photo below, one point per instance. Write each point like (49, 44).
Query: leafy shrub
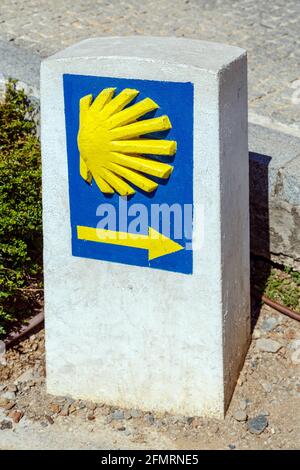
(20, 207)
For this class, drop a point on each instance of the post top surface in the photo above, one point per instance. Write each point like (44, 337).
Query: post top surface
(211, 56)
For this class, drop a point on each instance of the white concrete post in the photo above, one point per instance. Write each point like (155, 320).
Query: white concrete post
(168, 334)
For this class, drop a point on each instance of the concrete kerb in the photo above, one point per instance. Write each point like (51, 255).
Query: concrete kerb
(275, 195)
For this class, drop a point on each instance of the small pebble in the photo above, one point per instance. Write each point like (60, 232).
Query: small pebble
(240, 382)
(9, 405)
(90, 405)
(267, 345)
(49, 419)
(264, 413)
(16, 415)
(269, 324)
(294, 344)
(158, 423)
(240, 415)
(69, 400)
(215, 428)
(55, 408)
(65, 410)
(290, 334)
(5, 424)
(256, 334)
(72, 408)
(243, 404)
(117, 414)
(258, 424)
(8, 395)
(150, 419)
(267, 387)
(135, 413)
(27, 376)
(3, 402)
(295, 357)
(81, 405)
(127, 415)
(189, 420)
(31, 383)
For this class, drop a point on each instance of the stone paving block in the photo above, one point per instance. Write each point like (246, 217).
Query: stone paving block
(274, 195)
(22, 64)
(269, 31)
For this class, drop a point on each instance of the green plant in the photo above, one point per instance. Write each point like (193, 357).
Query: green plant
(20, 207)
(279, 283)
(283, 286)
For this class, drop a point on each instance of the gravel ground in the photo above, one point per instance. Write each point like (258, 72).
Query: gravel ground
(264, 412)
(268, 30)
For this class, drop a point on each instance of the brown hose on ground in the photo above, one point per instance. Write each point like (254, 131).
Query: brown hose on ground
(32, 324)
(281, 308)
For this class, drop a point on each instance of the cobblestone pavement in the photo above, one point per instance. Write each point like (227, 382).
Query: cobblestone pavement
(269, 30)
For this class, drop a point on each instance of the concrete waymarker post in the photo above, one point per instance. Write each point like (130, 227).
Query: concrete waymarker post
(146, 237)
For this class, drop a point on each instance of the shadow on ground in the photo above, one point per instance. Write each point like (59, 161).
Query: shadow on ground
(259, 229)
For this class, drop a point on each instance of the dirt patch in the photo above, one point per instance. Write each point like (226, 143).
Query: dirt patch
(264, 412)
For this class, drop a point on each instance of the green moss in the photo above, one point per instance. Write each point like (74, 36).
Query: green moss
(283, 286)
(279, 283)
(20, 207)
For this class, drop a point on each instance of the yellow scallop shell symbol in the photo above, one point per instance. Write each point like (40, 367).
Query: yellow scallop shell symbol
(112, 149)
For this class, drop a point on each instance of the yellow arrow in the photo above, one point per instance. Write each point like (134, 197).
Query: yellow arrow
(156, 243)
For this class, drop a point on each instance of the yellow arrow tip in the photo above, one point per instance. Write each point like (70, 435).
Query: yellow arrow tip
(159, 245)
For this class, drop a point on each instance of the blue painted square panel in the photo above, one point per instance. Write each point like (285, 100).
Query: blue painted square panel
(154, 202)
